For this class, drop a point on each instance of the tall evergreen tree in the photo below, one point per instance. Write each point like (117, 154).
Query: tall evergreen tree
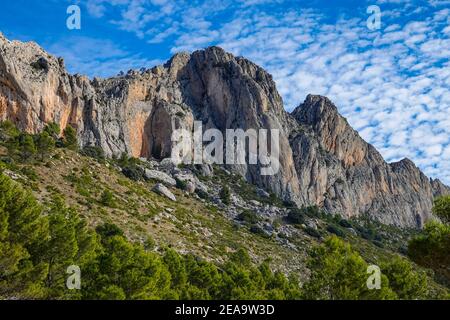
(27, 147)
(53, 130)
(70, 138)
(22, 229)
(45, 144)
(338, 272)
(441, 208)
(404, 280)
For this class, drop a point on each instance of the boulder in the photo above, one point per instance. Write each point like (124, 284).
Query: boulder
(201, 186)
(190, 187)
(206, 170)
(262, 193)
(311, 224)
(164, 191)
(160, 176)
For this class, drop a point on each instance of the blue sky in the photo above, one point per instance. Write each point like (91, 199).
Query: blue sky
(392, 84)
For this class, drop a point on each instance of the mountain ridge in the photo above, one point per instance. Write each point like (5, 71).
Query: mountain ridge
(324, 161)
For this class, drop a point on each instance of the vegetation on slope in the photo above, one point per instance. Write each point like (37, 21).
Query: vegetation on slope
(64, 209)
(431, 248)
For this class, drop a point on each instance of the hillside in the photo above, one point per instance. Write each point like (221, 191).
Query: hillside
(323, 161)
(87, 179)
(205, 224)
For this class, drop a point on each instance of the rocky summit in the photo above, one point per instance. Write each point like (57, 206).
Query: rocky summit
(323, 160)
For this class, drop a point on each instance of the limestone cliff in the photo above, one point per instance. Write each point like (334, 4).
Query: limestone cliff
(323, 160)
(343, 173)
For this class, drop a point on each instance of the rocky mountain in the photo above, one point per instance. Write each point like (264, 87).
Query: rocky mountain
(342, 172)
(323, 160)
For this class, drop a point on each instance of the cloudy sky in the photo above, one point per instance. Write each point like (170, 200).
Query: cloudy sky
(392, 83)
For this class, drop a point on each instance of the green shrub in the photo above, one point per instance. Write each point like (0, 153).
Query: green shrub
(296, 216)
(70, 140)
(378, 237)
(45, 144)
(258, 230)
(53, 130)
(181, 184)
(108, 230)
(431, 249)
(441, 208)
(289, 204)
(225, 195)
(27, 147)
(331, 228)
(133, 172)
(30, 173)
(94, 152)
(378, 243)
(126, 161)
(313, 212)
(345, 223)
(107, 199)
(149, 244)
(8, 130)
(404, 280)
(367, 233)
(313, 232)
(339, 273)
(202, 194)
(248, 216)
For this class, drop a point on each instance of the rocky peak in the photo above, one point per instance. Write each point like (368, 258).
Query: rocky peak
(405, 164)
(323, 161)
(177, 63)
(438, 188)
(335, 135)
(315, 110)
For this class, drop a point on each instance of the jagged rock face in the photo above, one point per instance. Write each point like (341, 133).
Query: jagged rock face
(323, 160)
(35, 88)
(344, 174)
(225, 92)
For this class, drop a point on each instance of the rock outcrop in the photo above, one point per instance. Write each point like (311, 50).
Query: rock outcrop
(160, 176)
(164, 191)
(323, 161)
(341, 172)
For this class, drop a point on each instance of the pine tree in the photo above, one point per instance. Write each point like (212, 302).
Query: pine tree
(441, 208)
(22, 229)
(8, 130)
(107, 199)
(404, 280)
(27, 147)
(338, 272)
(70, 243)
(125, 270)
(225, 195)
(70, 138)
(53, 130)
(45, 144)
(431, 249)
(176, 268)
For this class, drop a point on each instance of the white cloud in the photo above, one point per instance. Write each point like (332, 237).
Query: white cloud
(392, 84)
